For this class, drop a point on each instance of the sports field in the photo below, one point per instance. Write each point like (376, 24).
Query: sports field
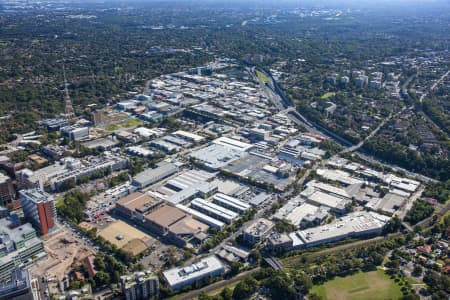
(362, 286)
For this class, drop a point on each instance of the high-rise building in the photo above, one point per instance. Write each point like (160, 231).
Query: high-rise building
(19, 246)
(140, 286)
(97, 117)
(39, 208)
(7, 193)
(18, 288)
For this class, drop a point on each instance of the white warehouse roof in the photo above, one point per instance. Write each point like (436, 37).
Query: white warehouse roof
(179, 277)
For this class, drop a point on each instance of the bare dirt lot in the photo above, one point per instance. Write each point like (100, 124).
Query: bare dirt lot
(126, 237)
(64, 250)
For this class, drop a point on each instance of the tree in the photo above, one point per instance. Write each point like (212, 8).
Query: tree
(418, 270)
(377, 259)
(394, 225)
(226, 294)
(419, 211)
(280, 286)
(439, 295)
(245, 288)
(303, 283)
(410, 296)
(314, 297)
(101, 278)
(236, 267)
(284, 226)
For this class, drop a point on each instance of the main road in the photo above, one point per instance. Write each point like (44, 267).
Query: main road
(435, 85)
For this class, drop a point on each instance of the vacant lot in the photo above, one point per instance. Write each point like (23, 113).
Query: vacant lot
(362, 286)
(127, 237)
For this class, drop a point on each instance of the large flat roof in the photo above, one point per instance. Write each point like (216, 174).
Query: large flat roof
(202, 217)
(180, 276)
(136, 200)
(214, 209)
(322, 198)
(166, 215)
(189, 135)
(352, 224)
(148, 175)
(233, 144)
(231, 201)
(188, 225)
(216, 156)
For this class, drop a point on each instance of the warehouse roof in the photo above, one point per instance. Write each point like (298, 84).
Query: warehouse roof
(166, 216)
(136, 200)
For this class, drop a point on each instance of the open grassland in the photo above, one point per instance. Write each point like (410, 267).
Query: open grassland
(362, 286)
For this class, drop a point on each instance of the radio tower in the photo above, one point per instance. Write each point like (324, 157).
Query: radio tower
(69, 112)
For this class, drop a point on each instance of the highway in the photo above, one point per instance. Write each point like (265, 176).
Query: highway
(300, 120)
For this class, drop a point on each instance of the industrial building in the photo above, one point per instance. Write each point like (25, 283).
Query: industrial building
(299, 213)
(340, 176)
(322, 194)
(19, 247)
(153, 175)
(195, 138)
(231, 203)
(405, 184)
(202, 217)
(356, 224)
(279, 241)
(187, 186)
(176, 225)
(183, 276)
(221, 152)
(136, 205)
(39, 208)
(140, 285)
(214, 210)
(258, 231)
(103, 144)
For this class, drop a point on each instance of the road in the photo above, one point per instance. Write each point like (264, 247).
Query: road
(409, 203)
(299, 119)
(216, 286)
(435, 85)
(444, 210)
(371, 134)
(408, 173)
(329, 251)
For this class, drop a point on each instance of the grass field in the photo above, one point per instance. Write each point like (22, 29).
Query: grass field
(327, 95)
(130, 123)
(362, 286)
(262, 77)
